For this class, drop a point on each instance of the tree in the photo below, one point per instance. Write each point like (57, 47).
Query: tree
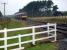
(39, 8)
(49, 5)
(1, 14)
(55, 12)
(55, 8)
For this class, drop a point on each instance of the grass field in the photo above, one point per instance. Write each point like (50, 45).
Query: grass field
(58, 20)
(44, 46)
(15, 24)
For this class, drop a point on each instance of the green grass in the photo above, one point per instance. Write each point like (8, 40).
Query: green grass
(44, 46)
(15, 24)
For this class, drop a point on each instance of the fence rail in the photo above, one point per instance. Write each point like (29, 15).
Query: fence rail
(5, 38)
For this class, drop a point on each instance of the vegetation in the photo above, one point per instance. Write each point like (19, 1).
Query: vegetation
(40, 8)
(16, 24)
(1, 14)
(64, 13)
(4, 22)
(44, 46)
(8, 23)
(57, 19)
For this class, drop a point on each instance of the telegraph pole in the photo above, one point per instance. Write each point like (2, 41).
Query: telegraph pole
(4, 7)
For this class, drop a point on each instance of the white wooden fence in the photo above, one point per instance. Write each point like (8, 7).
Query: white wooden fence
(5, 38)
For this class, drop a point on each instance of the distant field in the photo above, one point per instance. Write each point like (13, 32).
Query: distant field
(44, 17)
(13, 24)
(56, 19)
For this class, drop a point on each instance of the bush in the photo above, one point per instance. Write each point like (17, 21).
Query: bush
(4, 21)
(1, 14)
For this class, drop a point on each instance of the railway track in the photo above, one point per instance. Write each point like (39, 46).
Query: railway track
(62, 28)
(62, 31)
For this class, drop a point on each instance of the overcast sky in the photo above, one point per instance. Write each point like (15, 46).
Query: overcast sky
(13, 6)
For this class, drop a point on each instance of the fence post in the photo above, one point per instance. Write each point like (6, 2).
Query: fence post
(5, 36)
(48, 29)
(19, 41)
(33, 36)
(55, 33)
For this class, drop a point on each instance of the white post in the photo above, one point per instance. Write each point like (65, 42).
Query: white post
(33, 36)
(5, 36)
(48, 29)
(19, 41)
(55, 33)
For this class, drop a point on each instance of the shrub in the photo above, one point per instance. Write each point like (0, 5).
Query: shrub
(4, 21)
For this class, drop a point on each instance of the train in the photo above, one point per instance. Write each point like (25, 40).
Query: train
(21, 16)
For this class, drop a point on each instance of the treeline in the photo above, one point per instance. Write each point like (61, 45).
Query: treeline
(1, 15)
(64, 13)
(42, 8)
